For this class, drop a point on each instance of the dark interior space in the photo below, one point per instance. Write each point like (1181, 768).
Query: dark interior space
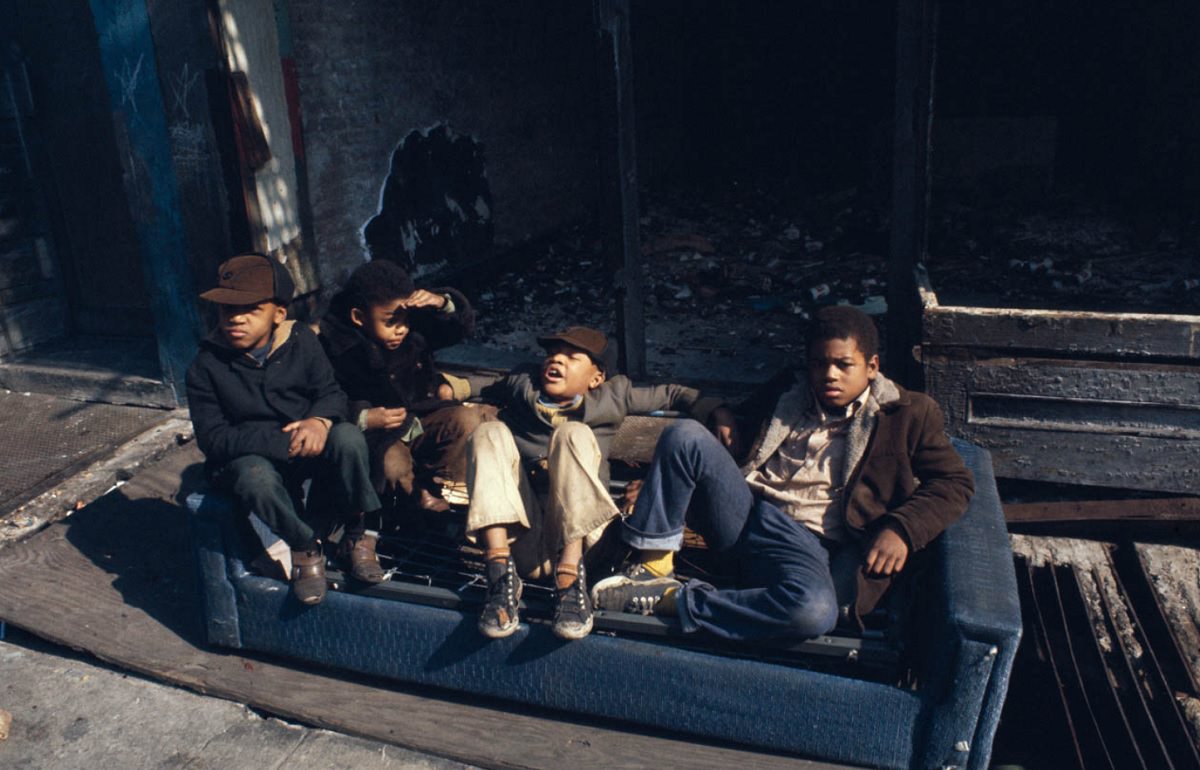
(79, 170)
(794, 96)
(1085, 193)
(763, 141)
(1065, 172)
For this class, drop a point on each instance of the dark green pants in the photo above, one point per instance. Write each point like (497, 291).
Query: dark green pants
(341, 482)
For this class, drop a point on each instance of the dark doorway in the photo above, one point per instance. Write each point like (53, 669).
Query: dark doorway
(72, 292)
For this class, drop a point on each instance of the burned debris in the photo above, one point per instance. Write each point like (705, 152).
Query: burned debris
(436, 205)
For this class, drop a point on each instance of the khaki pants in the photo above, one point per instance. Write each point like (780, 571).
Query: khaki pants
(577, 506)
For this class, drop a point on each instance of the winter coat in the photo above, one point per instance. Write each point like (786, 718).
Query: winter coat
(900, 468)
(405, 377)
(239, 406)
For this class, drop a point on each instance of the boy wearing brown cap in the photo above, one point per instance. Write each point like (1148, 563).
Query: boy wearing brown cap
(266, 411)
(557, 420)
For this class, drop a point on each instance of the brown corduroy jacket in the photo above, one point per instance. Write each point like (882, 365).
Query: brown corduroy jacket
(900, 467)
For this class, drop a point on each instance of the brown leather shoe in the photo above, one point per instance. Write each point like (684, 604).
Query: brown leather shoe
(364, 562)
(428, 501)
(308, 576)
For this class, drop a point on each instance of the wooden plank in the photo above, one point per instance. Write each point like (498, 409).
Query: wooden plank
(1128, 382)
(1125, 462)
(114, 580)
(1100, 423)
(1161, 509)
(1173, 572)
(1068, 333)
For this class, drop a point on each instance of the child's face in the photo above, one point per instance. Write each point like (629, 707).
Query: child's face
(249, 327)
(568, 371)
(385, 323)
(839, 372)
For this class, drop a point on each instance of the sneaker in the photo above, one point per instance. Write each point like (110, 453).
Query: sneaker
(364, 561)
(499, 617)
(636, 590)
(308, 575)
(573, 609)
(608, 554)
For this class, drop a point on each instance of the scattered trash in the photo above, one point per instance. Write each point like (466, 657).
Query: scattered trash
(678, 241)
(765, 262)
(876, 304)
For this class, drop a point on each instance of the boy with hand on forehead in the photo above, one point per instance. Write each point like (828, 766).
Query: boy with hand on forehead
(267, 414)
(380, 335)
(847, 476)
(557, 419)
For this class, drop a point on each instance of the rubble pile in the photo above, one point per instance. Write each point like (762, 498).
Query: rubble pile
(719, 277)
(1064, 255)
(745, 272)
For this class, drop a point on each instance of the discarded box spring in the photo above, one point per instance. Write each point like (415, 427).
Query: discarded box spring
(947, 718)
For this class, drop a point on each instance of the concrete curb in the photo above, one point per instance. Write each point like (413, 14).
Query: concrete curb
(97, 479)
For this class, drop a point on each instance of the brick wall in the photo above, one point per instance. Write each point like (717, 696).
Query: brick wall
(516, 76)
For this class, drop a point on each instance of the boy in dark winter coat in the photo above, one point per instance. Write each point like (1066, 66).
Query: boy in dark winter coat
(268, 415)
(380, 335)
(557, 420)
(848, 475)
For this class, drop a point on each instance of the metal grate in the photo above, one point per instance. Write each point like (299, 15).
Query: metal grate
(429, 562)
(44, 440)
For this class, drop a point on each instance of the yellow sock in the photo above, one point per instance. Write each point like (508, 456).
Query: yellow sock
(659, 563)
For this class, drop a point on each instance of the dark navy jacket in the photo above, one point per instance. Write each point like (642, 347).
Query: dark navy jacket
(239, 406)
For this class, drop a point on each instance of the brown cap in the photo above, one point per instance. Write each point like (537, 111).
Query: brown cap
(589, 340)
(248, 279)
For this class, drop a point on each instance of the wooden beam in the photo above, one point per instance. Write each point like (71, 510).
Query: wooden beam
(916, 27)
(1158, 509)
(618, 169)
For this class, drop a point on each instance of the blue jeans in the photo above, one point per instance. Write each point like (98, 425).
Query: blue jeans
(785, 588)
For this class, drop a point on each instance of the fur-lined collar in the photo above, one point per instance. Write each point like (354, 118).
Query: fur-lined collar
(797, 401)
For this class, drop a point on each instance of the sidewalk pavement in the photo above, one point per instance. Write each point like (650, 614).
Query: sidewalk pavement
(70, 711)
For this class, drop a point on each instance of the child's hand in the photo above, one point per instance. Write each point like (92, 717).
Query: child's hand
(308, 437)
(423, 298)
(379, 418)
(887, 553)
(726, 430)
(445, 392)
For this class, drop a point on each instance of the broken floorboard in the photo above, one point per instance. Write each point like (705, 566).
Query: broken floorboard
(1126, 701)
(1156, 510)
(115, 580)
